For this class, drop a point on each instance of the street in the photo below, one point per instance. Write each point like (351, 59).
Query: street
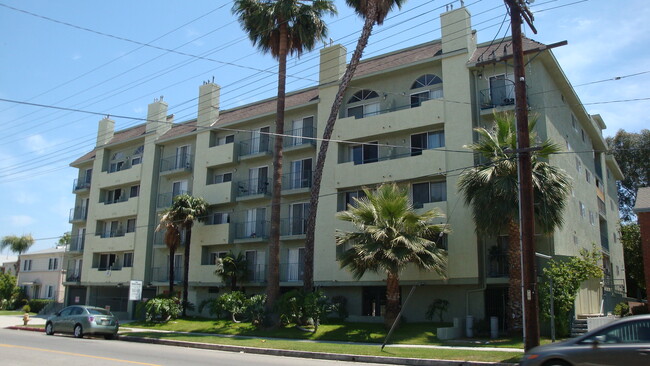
(35, 348)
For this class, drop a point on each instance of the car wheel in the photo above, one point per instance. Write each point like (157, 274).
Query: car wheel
(110, 336)
(78, 331)
(49, 329)
(556, 363)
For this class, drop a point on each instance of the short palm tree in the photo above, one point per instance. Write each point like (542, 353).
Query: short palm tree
(18, 245)
(390, 236)
(232, 269)
(172, 240)
(184, 211)
(373, 12)
(281, 27)
(492, 192)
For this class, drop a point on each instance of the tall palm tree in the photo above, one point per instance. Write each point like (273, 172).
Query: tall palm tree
(390, 236)
(492, 192)
(183, 212)
(281, 27)
(232, 268)
(373, 12)
(18, 245)
(172, 240)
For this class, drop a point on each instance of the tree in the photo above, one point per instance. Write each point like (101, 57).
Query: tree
(8, 289)
(281, 27)
(172, 240)
(65, 239)
(631, 152)
(492, 192)
(184, 211)
(232, 269)
(568, 275)
(390, 236)
(633, 254)
(18, 245)
(373, 12)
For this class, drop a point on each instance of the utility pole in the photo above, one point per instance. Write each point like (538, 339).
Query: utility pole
(519, 10)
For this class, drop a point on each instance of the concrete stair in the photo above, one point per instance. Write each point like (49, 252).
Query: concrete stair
(579, 327)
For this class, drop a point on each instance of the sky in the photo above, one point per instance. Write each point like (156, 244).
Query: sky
(115, 57)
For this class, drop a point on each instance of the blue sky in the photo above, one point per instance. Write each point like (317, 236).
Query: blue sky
(89, 55)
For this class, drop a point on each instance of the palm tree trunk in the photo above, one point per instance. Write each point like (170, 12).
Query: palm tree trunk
(392, 299)
(514, 283)
(186, 266)
(273, 274)
(172, 253)
(370, 20)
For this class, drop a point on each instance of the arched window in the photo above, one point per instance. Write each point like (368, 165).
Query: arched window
(432, 85)
(361, 104)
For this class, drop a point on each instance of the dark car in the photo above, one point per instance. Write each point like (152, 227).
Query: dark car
(80, 320)
(623, 342)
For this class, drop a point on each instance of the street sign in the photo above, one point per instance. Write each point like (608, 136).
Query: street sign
(135, 290)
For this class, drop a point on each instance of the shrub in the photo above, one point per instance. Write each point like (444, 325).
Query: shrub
(235, 304)
(296, 307)
(26, 309)
(38, 304)
(622, 309)
(438, 306)
(162, 309)
(255, 309)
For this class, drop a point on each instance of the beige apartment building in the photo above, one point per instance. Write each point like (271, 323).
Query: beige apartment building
(41, 274)
(406, 118)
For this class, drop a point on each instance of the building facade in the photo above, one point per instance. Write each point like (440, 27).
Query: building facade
(406, 118)
(41, 274)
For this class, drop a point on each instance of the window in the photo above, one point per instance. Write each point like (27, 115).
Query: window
(251, 265)
(179, 188)
(629, 332)
(427, 140)
(298, 213)
(582, 210)
(135, 191)
(219, 218)
(258, 181)
(222, 178)
(128, 259)
(350, 197)
(429, 192)
(255, 223)
(114, 196)
(226, 140)
(303, 127)
(136, 160)
(364, 154)
(27, 265)
(300, 174)
(588, 176)
(502, 89)
(575, 240)
(568, 145)
(425, 81)
(578, 165)
(53, 264)
(364, 107)
(611, 204)
(130, 225)
(214, 255)
(49, 291)
(106, 261)
(592, 219)
(574, 123)
(259, 140)
(183, 159)
(582, 133)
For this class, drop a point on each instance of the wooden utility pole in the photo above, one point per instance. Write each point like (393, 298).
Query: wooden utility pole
(518, 10)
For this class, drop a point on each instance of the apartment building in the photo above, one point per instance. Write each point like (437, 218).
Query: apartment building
(410, 114)
(41, 274)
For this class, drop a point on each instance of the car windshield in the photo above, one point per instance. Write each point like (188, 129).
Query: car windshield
(99, 312)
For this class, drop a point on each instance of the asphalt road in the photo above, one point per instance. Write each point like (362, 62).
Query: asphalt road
(35, 348)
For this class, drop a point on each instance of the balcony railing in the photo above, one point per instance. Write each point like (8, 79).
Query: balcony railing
(165, 199)
(615, 286)
(78, 213)
(497, 96)
(498, 265)
(297, 180)
(604, 242)
(383, 153)
(256, 273)
(297, 136)
(113, 267)
(122, 198)
(252, 229)
(112, 234)
(290, 272)
(159, 239)
(253, 187)
(73, 274)
(181, 162)
(254, 146)
(77, 243)
(293, 226)
(80, 184)
(161, 274)
(602, 208)
(117, 166)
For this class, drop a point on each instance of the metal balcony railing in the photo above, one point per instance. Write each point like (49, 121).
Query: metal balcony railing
(80, 184)
(293, 226)
(290, 272)
(297, 180)
(257, 145)
(165, 199)
(497, 96)
(253, 187)
(176, 162)
(78, 213)
(77, 243)
(112, 234)
(161, 274)
(252, 229)
(256, 273)
(73, 274)
(296, 137)
(498, 265)
(381, 153)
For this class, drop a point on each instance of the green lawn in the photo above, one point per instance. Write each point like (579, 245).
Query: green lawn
(14, 312)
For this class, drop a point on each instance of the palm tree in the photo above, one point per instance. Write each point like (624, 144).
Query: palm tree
(281, 27)
(373, 12)
(492, 192)
(18, 245)
(390, 235)
(232, 268)
(172, 240)
(184, 211)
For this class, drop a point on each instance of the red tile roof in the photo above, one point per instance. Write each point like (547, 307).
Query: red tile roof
(399, 58)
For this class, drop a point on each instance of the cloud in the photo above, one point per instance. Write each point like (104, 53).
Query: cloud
(20, 220)
(24, 198)
(76, 56)
(38, 144)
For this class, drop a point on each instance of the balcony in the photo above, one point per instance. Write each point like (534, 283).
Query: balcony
(293, 227)
(255, 147)
(165, 199)
(112, 234)
(81, 185)
(161, 274)
(614, 286)
(256, 273)
(216, 193)
(297, 182)
(497, 265)
(73, 274)
(295, 139)
(221, 155)
(159, 240)
(78, 214)
(211, 234)
(291, 272)
(76, 244)
(118, 175)
(252, 231)
(176, 164)
(253, 188)
(497, 96)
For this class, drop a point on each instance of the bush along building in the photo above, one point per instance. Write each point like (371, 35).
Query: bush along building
(410, 112)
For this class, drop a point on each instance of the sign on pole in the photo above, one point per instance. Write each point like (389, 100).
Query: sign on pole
(135, 290)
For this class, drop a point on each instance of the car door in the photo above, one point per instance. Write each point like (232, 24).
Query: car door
(626, 344)
(61, 320)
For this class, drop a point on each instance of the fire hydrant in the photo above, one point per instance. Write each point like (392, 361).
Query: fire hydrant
(25, 318)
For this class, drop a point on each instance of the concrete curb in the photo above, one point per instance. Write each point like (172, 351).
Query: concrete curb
(313, 355)
(29, 329)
